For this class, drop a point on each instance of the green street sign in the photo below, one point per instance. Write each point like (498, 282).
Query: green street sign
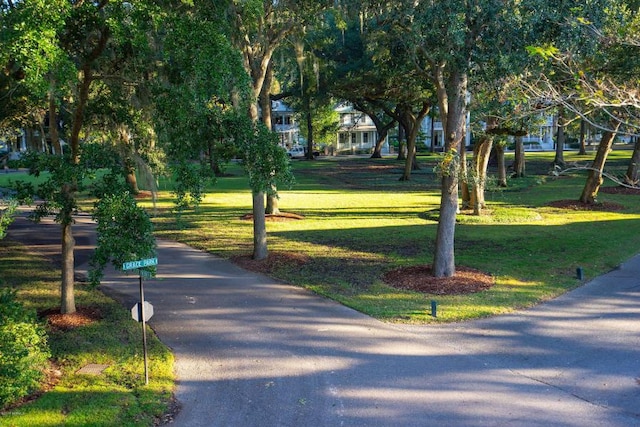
(131, 265)
(145, 274)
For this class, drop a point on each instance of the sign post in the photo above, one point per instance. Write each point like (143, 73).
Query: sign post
(138, 311)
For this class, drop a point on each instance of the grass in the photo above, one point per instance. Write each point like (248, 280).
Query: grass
(360, 221)
(116, 397)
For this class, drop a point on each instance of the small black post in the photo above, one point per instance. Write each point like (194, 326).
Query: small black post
(579, 273)
(144, 331)
(434, 308)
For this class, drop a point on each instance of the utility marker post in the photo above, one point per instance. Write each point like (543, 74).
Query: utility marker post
(142, 311)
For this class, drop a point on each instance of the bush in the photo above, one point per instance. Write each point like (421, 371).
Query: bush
(23, 350)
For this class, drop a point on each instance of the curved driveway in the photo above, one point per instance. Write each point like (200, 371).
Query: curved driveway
(251, 351)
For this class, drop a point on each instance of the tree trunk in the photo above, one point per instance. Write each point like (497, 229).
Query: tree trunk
(453, 110)
(411, 124)
(559, 158)
(309, 153)
(127, 154)
(433, 142)
(259, 227)
(481, 154)
(272, 207)
(594, 178)
(465, 190)
(383, 131)
(53, 121)
(67, 299)
(519, 163)
(402, 155)
(502, 168)
(265, 98)
(377, 150)
(132, 180)
(583, 138)
(408, 161)
(444, 259)
(265, 105)
(631, 177)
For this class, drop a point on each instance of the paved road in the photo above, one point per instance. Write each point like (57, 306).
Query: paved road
(251, 351)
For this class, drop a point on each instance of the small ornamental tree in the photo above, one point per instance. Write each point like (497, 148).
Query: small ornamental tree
(124, 230)
(267, 165)
(125, 233)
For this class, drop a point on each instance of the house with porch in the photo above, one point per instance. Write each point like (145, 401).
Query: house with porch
(357, 132)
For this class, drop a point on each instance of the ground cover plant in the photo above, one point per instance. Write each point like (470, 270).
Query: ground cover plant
(100, 332)
(360, 224)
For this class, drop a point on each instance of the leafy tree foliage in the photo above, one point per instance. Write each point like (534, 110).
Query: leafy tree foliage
(125, 232)
(200, 90)
(65, 51)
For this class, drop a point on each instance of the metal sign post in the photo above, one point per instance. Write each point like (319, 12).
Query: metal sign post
(144, 331)
(138, 311)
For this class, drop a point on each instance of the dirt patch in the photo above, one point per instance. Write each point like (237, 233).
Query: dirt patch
(52, 375)
(621, 190)
(143, 194)
(416, 278)
(282, 216)
(273, 261)
(64, 322)
(576, 205)
(420, 278)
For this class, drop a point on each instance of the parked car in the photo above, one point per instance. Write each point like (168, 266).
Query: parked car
(300, 151)
(296, 151)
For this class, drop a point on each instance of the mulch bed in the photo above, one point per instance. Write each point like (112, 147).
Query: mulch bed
(64, 322)
(420, 278)
(416, 278)
(620, 190)
(282, 216)
(576, 205)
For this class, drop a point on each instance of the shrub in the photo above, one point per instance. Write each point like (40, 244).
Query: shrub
(23, 350)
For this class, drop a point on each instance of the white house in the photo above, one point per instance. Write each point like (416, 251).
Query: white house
(357, 132)
(284, 124)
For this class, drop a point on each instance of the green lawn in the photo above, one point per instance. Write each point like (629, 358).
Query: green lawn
(360, 221)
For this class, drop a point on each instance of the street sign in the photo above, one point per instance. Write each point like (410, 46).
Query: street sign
(136, 312)
(145, 274)
(131, 265)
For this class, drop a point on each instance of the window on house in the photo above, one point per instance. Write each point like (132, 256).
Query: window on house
(365, 138)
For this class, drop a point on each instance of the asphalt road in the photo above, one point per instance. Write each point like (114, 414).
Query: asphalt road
(251, 351)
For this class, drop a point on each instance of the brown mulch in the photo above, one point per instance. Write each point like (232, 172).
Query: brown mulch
(420, 278)
(282, 216)
(143, 194)
(64, 322)
(620, 190)
(416, 278)
(576, 205)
